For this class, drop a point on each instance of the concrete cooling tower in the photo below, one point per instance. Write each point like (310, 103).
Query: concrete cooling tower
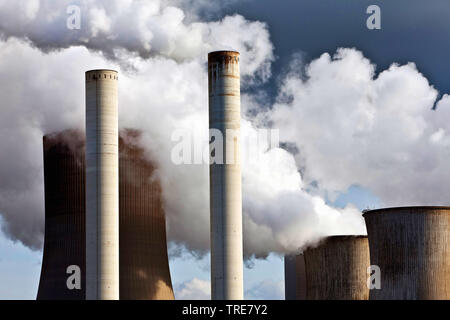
(144, 264)
(64, 242)
(294, 277)
(144, 267)
(411, 245)
(337, 269)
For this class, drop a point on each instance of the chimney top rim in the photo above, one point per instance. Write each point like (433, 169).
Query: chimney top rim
(220, 53)
(101, 70)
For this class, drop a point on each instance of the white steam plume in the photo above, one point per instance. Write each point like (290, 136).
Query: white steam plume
(120, 29)
(42, 66)
(353, 127)
(279, 214)
(160, 97)
(349, 126)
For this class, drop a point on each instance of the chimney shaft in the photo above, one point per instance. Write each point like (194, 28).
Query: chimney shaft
(225, 178)
(102, 186)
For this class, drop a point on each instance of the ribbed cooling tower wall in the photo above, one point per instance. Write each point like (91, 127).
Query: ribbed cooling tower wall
(144, 267)
(337, 269)
(294, 277)
(64, 243)
(411, 245)
(300, 276)
(289, 278)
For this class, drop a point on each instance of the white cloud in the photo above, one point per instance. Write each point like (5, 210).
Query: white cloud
(195, 289)
(160, 96)
(100, 22)
(120, 28)
(40, 94)
(44, 92)
(280, 215)
(266, 290)
(352, 126)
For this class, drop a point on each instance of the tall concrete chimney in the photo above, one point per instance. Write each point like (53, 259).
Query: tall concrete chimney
(102, 186)
(225, 177)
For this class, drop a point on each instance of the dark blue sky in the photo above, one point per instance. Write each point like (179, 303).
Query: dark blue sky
(412, 30)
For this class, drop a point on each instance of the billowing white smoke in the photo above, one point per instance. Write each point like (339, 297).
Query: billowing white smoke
(39, 94)
(43, 87)
(120, 29)
(279, 214)
(327, 118)
(352, 127)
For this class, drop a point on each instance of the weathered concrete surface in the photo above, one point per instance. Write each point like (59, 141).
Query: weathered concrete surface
(290, 277)
(337, 269)
(294, 277)
(411, 245)
(144, 265)
(225, 179)
(102, 186)
(65, 240)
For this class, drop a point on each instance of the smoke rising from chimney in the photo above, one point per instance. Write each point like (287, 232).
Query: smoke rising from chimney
(121, 30)
(376, 132)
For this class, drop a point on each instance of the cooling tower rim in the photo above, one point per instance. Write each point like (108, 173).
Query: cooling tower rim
(333, 239)
(56, 133)
(345, 237)
(81, 132)
(71, 138)
(412, 209)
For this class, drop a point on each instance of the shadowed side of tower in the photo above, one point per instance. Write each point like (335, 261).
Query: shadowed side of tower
(144, 267)
(294, 277)
(64, 242)
(144, 263)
